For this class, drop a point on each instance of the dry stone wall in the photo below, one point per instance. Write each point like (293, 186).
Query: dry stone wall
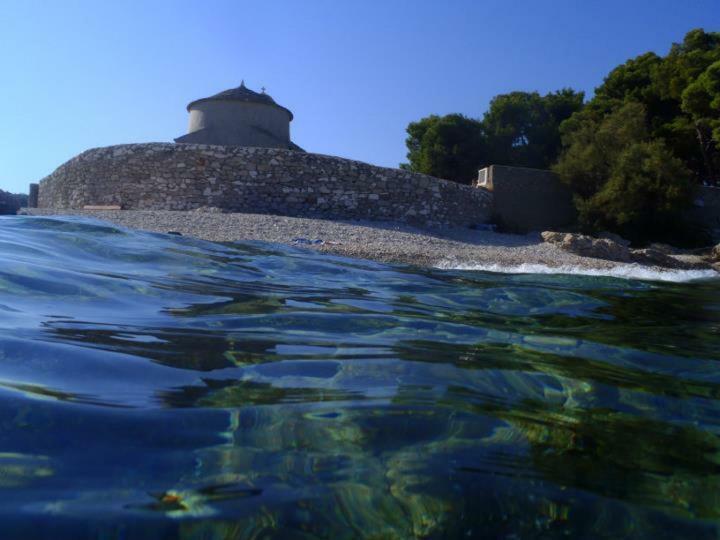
(166, 176)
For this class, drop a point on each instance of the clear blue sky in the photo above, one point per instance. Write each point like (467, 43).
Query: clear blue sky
(80, 74)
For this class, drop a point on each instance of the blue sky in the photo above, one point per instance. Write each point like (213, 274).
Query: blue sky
(80, 74)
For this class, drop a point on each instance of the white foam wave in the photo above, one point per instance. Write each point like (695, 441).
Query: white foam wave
(627, 271)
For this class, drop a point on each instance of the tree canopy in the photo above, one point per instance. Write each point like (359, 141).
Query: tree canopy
(448, 147)
(676, 91)
(651, 131)
(633, 151)
(522, 128)
(519, 128)
(624, 180)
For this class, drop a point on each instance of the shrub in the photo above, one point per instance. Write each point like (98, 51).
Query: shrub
(644, 197)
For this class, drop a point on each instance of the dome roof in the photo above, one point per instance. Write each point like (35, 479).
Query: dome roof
(241, 93)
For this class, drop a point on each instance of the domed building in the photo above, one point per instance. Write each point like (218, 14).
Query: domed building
(239, 117)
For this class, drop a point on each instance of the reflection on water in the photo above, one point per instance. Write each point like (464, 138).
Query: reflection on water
(157, 386)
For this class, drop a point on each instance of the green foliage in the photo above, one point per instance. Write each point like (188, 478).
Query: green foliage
(630, 154)
(594, 144)
(450, 147)
(686, 61)
(701, 100)
(647, 190)
(635, 81)
(675, 92)
(623, 180)
(520, 128)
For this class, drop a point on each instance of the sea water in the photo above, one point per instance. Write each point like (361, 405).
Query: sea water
(156, 386)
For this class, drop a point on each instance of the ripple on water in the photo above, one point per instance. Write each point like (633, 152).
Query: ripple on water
(169, 386)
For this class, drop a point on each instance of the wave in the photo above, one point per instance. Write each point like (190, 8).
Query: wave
(625, 271)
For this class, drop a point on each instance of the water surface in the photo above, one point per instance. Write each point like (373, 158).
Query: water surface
(158, 386)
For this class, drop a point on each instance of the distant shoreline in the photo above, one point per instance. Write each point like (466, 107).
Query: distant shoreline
(384, 242)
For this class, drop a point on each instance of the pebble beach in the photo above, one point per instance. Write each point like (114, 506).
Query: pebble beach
(460, 248)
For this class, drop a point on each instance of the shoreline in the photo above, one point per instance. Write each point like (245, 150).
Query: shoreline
(447, 248)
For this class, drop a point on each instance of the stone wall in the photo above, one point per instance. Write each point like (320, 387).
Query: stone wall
(527, 199)
(166, 176)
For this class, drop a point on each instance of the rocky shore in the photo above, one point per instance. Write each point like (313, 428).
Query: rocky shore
(392, 242)
(612, 247)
